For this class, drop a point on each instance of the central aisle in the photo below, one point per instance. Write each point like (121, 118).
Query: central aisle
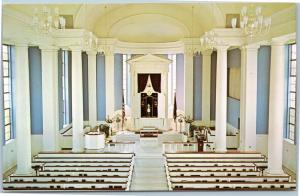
(149, 171)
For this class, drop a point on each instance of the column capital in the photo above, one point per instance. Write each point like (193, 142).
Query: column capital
(188, 50)
(91, 52)
(222, 47)
(206, 52)
(48, 48)
(277, 42)
(250, 47)
(108, 50)
(76, 48)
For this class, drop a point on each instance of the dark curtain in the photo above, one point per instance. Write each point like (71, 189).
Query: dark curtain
(142, 81)
(155, 79)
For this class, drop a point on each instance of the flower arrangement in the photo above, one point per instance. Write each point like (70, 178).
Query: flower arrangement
(188, 119)
(108, 120)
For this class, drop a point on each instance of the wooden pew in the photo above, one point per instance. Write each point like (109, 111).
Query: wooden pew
(215, 164)
(85, 155)
(212, 168)
(68, 179)
(84, 173)
(88, 168)
(214, 155)
(213, 173)
(233, 185)
(83, 163)
(62, 185)
(230, 179)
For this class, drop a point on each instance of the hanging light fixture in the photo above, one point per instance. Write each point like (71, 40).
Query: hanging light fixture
(46, 20)
(253, 23)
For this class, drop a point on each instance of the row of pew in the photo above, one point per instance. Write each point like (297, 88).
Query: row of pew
(76, 172)
(222, 171)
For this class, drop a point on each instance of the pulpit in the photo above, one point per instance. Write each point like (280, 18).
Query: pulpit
(94, 141)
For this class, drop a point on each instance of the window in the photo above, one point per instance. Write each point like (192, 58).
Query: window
(65, 88)
(291, 116)
(171, 79)
(6, 63)
(126, 79)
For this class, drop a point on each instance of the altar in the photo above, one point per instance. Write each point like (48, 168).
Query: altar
(158, 123)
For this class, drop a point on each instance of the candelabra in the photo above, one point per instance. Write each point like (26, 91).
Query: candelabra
(208, 40)
(46, 20)
(253, 23)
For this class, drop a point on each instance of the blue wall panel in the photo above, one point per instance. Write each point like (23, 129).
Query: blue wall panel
(213, 76)
(180, 81)
(233, 111)
(197, 77)
(263, 83)
(101, 90)
(233, 105)
(35, 79)
(118, 78)
(85, 86)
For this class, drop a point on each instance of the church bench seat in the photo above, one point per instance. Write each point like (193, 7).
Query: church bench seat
(213, 168)
(213, 155)
(82, 164)
(85, 155)
(239, 159)
(230, 179)
(213, 173)
(63, 185)
(215, 164)
(88, 168)
(233, 185)
(85, 173)
(69, 179)
(80, 159)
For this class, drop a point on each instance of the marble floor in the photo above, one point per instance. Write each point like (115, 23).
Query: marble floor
(149, 171)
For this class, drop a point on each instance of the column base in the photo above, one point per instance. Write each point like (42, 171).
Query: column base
(269, 172)
(28, 172)
(221, 150)
(77, 149)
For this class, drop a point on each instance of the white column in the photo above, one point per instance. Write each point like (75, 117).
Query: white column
(77, 100)
(23, 126)
(109, 82)
(206, 72)
(188, 82)
(92, 88)
(50, 98)
(276, 109)
(248, 97)
(221, 99)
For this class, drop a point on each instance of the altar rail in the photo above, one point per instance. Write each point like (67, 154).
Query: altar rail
(184, 147)
(128, 147)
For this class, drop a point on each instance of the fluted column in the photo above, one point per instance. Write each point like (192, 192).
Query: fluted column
(276, 109)
(248, 97)
(221, 99)
(50, 98)
(77, 100)
(23, 126)
(206, 72)
(92, 88)
(109, 81)
(188, 81)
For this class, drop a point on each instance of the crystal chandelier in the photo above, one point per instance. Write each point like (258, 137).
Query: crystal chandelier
(253, 23)
(46, 20)
(208, 40)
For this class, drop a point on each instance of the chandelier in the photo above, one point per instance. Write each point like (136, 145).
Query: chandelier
(253, 23)
(208, 40)
(46, 20)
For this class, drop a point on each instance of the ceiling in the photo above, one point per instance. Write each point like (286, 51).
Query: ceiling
(150, 22)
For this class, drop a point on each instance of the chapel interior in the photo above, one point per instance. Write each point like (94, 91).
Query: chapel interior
(149, 97)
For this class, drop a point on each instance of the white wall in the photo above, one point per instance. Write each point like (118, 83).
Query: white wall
(289, 151)
(10, 151)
